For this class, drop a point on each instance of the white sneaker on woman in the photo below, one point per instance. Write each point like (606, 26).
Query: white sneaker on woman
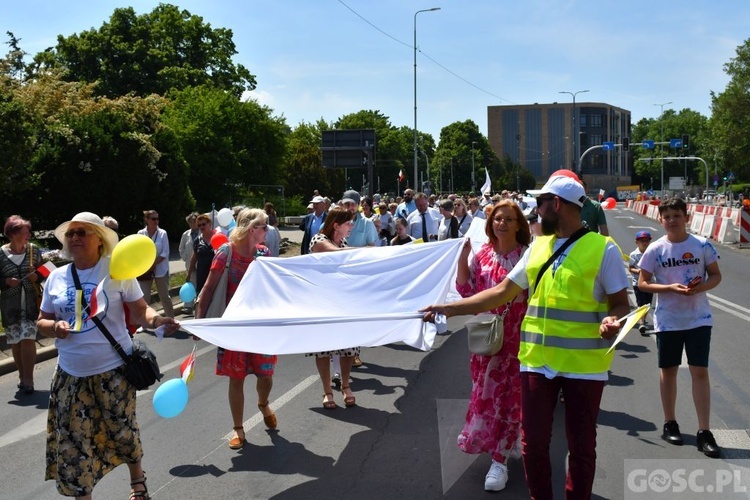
(497, 477)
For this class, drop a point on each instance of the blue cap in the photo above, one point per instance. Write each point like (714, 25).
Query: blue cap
(642, 234)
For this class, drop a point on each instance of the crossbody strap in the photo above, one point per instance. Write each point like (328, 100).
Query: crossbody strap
(116, 345)
(563, 247)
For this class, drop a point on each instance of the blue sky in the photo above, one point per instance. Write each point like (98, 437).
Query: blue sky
(327, 58)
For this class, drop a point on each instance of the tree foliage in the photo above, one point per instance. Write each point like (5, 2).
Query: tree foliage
(454, 158)
(150, 53)
(228, 144)
(730, 120)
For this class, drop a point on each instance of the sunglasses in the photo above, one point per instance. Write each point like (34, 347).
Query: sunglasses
(154, 218)
(264, 228)
(80, 232)
(203, 224)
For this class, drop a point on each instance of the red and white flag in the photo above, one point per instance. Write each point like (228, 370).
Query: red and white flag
(400, 176)
(45, 269)
(187, 367)
(97, 301)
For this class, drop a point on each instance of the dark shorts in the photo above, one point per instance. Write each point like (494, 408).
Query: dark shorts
(642, 298)
(697, 343)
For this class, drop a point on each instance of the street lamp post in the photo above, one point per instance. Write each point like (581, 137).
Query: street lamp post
(661, 122)
(576, 139)
(473, 175)
(416, 174)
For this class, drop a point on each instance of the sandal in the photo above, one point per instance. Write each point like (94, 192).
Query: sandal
(349, 401)
(237, 442)
(269, 420)
(330, 404)
(142, 494)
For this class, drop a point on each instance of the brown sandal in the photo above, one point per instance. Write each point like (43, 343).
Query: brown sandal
(349, 401)
(331, 404)
(269, 420)
(139, 495)
(237, 442)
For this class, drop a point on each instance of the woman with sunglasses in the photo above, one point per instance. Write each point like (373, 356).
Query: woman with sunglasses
(245, 244)
(159, 272)
(91, 421)
(462, 214)
(330, 238)
(203, 252)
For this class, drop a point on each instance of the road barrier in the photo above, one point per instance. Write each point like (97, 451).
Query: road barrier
(744, 228)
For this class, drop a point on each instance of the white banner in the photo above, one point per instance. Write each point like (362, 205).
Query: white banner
(335, 300)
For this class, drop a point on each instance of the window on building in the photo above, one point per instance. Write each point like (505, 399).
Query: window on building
(582, 121)
(596, 120)
(596, 139)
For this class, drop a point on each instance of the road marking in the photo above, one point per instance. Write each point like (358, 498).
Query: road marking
(247, 424)
(38, 424)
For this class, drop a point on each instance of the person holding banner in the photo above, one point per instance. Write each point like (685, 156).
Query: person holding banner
(91, 421)
(332, 237)
(577, 292)
(19, 290)
(245, 245)
(493, 419)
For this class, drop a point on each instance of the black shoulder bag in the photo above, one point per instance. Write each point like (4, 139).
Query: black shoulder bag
(563, 247)
(141, 368)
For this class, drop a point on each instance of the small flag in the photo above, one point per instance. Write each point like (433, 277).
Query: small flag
(187, 367)
(400, 176)
(78, 320)
(98, 300)
(45, 269)
(487, 186)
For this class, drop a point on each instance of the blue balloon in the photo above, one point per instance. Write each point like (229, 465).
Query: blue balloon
(171, 398)
(187, 292)
(231, 224)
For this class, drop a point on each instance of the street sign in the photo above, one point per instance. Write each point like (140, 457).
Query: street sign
(675, 143)
(608, 146)
(730, 176)
(648, 144)
(716, 183)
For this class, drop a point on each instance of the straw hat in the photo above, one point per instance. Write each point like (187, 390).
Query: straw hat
(110, 237)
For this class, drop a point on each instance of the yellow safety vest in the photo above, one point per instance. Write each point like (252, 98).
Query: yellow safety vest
(561, 326)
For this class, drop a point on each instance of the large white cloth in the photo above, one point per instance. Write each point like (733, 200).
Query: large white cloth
(324, 301)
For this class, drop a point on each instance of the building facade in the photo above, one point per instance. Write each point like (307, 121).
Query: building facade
(541, 138)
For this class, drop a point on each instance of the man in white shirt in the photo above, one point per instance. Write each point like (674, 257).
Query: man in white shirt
(423, 222)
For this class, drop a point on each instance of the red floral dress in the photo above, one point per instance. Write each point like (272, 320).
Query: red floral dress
(493, 419)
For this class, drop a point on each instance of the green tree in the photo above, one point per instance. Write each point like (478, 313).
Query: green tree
(674, 125)
(730, 120)
(97, 154)
(227, 144)
(303, 170)
(166, 49)
(459, 141)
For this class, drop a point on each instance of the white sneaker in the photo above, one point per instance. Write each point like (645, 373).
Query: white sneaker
(496, 477)
(140, 330)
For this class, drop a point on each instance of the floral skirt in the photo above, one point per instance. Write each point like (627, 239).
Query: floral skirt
(23, 330)
(344, 353)
(91, 429)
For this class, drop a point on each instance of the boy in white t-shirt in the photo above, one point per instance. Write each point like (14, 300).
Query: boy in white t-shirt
(685, 267)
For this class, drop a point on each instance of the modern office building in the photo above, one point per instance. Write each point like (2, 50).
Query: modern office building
(542, 138)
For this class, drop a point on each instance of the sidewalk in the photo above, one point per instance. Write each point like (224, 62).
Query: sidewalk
(46, 346)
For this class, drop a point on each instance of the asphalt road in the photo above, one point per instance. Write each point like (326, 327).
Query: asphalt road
(399, 442)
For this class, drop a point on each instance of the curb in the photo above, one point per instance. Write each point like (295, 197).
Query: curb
(44, 353)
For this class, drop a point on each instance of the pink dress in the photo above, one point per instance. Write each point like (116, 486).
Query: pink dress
(493, 419)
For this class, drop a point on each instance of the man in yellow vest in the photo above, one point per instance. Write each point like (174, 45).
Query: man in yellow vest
(575, 299)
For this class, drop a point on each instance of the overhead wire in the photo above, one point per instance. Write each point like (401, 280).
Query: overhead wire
(443, 67)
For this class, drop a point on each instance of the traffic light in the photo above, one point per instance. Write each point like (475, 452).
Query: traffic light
(685, 141)
(626, 143)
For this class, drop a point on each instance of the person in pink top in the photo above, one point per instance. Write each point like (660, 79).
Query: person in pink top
(493, 419)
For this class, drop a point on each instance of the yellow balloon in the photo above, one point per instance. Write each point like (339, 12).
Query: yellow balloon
(132, 256)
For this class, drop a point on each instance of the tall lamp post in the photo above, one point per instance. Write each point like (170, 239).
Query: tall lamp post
(416, 172)
(576, 139)
(661, 122)
(473, 176)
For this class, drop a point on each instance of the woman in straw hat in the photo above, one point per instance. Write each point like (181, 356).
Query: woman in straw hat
(91, 421)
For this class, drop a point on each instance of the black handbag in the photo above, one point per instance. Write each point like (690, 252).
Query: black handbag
(140, 368)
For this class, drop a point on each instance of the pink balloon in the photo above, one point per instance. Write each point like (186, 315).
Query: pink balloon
(217, 240)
